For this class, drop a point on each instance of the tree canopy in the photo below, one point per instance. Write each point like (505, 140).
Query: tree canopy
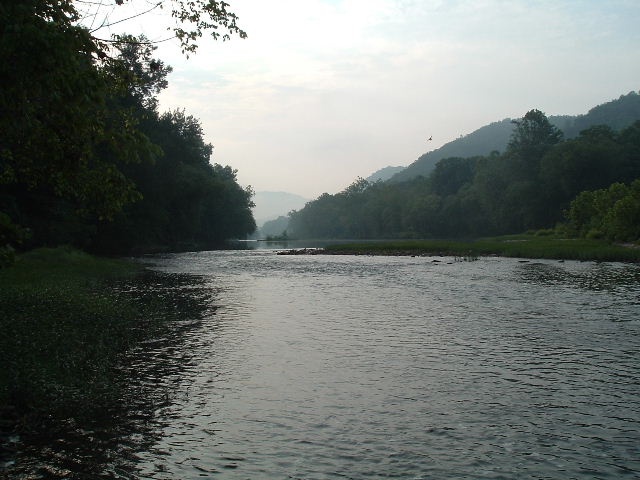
(80, 139)
(192, 19)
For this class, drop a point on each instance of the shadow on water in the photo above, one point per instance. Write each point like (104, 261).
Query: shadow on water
(103, 439)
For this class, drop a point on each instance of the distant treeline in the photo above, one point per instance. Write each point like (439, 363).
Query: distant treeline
(540, 181)
(87, 159)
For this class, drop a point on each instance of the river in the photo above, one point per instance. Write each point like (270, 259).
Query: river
(359, 367)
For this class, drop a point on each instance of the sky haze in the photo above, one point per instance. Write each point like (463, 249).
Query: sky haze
(324, 91)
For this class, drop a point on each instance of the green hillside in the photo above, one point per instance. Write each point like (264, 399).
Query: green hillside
(617, 114)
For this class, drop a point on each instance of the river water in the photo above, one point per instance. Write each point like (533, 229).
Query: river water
(359, 367)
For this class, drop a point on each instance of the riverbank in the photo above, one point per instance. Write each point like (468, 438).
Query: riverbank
(64, 326)
(522, 246)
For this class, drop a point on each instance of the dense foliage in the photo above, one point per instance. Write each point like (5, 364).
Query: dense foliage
(86, 158)
(529, 186)
(612, 213)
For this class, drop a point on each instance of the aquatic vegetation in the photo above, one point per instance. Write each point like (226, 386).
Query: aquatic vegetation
(63, 325)
(77, 353)
(525, 246)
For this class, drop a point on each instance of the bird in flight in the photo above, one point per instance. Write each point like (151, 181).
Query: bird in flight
(430, 138)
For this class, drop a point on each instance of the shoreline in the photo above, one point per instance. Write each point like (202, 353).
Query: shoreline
(520, 246)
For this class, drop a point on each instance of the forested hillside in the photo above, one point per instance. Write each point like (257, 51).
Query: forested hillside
(616, 114)
(492, 137)
(538, 178)
(86, 157)
(384, 174)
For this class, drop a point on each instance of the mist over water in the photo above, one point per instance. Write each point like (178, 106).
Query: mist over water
(322, 367)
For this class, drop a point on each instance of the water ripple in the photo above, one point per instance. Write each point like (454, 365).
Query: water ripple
(313, 367)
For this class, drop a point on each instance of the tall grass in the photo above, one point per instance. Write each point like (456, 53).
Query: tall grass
(525, 246)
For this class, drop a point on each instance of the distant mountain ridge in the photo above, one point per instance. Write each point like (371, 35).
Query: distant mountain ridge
(384, 174)
(617, 114)
(483, 141)
(271, 205)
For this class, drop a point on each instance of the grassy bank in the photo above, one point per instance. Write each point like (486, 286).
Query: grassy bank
(63, 327)
(524, 246)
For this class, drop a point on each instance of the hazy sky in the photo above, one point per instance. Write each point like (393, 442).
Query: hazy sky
(324, 91)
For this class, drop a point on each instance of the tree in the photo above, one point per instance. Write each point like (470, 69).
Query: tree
(612, 212)
(56, 78)
(72, 106)
(186, 202)
(524, 203)
(591, 161)
(54, 110)
(192, 18)
(630, 141)
(533, 136)
(356, 188)
(141, 76)
(451, 174)
(622, 221)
